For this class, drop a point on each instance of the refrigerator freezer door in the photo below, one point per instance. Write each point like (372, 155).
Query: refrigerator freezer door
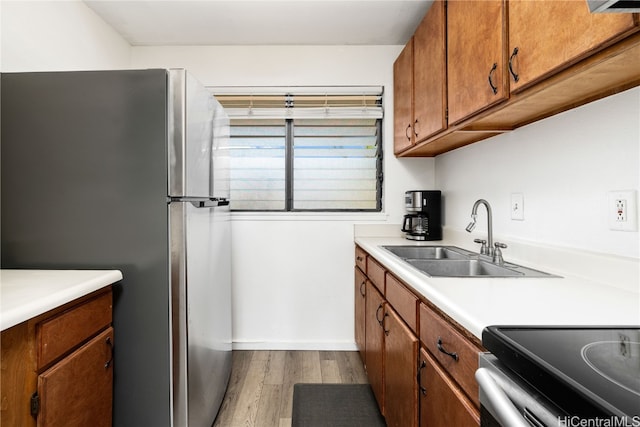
(201, 311)
(191, 143)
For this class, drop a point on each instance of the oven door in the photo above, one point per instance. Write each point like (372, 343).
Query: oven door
(508, 401)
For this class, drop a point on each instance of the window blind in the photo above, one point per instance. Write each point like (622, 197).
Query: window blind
(305, 151)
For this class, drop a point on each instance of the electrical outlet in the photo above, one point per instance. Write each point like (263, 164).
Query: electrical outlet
(622, 210)
(517, 206)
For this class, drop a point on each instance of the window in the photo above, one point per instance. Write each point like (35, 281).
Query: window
(305, 152)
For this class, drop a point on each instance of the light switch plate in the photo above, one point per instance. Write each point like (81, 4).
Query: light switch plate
(517, 206)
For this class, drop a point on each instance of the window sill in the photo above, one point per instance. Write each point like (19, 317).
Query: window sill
(309, 216)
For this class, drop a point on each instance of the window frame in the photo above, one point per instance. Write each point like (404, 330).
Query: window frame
(289, 172)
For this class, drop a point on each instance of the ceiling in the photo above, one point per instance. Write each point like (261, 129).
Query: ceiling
(262, 22)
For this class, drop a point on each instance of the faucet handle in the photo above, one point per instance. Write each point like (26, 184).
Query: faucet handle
(497, 253)
(484, 250)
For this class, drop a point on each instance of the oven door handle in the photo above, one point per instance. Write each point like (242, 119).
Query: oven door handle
(505, 411)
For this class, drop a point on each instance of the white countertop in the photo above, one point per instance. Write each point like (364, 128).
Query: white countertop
(28, 293)
(479, 302)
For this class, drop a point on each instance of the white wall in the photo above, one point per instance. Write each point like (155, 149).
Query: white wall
(564, 166)
(57, 35)
(293, 274)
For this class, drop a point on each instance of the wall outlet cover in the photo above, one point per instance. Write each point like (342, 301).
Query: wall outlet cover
(622, 210)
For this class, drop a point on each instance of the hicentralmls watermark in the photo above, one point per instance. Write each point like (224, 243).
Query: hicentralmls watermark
(576, 421)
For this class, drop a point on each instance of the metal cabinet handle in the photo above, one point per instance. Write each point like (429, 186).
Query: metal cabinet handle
(386, 331)
(491, 72)
(110, 345)
(453, 355)
(406, 132)
(361, 285)
(415, 132)
(359, 258)
(377, 311)
(423, 390)
(505, 412)
(516, 77)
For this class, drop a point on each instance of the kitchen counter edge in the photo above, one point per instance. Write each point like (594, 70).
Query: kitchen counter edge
(25, 294)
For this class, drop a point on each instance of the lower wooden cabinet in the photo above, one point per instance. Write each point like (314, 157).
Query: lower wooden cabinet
(360, 298)
(419, 363)
(374, 352)
(400, 369)
(57, 368)
(442, 403)
(77, 391)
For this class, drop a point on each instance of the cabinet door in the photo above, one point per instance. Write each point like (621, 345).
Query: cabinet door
(77, 391)
(403, 99)
(401, 387)
(546, 36)
(476, 42)
(442, 403)
(360, 319)
(429, 74)
(375, 342)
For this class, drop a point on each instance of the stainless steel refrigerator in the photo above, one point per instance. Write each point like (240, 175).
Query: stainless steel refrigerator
(127, 170)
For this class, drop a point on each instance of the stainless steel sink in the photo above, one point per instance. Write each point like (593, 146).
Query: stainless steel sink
(462, 268)
(451, 261)
(427, 252)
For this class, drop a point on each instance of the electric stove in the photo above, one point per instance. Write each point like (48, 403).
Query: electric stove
(588, 372)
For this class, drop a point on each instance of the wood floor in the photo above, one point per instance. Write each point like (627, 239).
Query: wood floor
(260, 390)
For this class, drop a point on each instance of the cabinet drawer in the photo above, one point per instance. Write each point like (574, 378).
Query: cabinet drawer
(375, 272)
(361, 259)
(462, 367)
(403, 301)
(62, 333)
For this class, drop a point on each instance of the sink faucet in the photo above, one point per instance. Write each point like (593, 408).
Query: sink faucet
(474, 214)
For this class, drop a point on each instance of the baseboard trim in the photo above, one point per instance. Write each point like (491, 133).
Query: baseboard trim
(297, 345)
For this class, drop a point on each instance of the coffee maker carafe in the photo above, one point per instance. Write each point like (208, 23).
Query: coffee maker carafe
(423, 221)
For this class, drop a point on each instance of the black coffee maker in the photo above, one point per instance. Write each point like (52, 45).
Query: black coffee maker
(424, 220)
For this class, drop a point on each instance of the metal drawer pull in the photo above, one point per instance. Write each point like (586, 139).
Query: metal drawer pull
(386, 331)
(363, 293)
(516, 77)
(493, 88)
(448, 353)
(420, 368)
(110, 344)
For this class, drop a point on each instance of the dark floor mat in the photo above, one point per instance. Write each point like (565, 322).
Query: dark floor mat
(335, 405)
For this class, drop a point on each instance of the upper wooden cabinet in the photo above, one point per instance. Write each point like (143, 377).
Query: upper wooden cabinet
(476, 46)
(420, 82)
(429, 74)
(403, 99)
(563, 57)
(546, 36)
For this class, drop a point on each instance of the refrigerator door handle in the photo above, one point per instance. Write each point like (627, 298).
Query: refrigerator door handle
(210, 203)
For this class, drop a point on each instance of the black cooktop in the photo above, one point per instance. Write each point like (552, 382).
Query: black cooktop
(586, 371)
